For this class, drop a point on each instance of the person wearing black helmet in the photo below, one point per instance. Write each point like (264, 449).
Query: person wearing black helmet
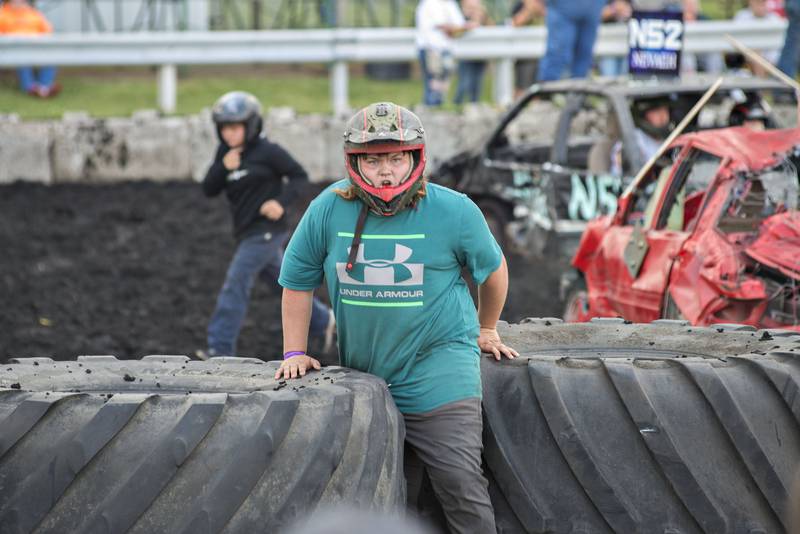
(653, 123)
(251, 170)
(651, 116)
(392, 248)
(749, 115)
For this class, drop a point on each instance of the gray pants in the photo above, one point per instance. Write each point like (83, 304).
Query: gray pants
(444, 446)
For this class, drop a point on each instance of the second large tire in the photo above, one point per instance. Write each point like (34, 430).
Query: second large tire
(170, 445)
(663, 428)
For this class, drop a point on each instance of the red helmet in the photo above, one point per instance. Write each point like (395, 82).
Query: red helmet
(382, 128)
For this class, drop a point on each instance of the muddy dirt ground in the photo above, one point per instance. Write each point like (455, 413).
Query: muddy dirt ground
(134, 269)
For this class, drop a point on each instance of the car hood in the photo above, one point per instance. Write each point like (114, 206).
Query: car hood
(778, 244)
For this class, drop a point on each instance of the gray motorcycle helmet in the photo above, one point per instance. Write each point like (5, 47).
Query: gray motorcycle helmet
(238, 107)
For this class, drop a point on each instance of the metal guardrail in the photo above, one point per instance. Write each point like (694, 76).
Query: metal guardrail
(338, 47)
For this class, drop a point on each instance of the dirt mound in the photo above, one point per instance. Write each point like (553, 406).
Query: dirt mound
(134, 269)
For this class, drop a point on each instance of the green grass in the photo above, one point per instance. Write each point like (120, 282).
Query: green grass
(119, 92)
(717, 9)
(303, 13)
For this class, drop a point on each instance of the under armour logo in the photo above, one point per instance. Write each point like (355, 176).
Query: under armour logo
(382, 272)
(237, 174)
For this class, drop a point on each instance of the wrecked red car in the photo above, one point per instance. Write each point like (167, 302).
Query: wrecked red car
(710, 234)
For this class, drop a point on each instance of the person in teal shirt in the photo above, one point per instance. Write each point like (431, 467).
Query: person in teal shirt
(392, 247)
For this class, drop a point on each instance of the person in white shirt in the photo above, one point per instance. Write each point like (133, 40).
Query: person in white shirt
(437, 22)
(758, 10)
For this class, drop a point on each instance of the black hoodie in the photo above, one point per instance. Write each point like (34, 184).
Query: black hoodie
(260, 177)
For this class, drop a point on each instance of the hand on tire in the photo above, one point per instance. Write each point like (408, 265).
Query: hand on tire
(296, 366)
(489, 341)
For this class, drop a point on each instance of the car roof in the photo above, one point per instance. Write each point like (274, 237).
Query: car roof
(632, 88)
(753, 149)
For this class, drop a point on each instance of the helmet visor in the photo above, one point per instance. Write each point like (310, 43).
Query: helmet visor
(402, 135)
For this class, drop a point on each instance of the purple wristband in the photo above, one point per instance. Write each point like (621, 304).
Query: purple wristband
(287, 355)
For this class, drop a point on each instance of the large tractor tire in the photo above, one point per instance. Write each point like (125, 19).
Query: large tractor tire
(663, 428)
(171, 445)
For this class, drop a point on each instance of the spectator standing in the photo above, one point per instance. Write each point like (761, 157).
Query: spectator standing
(787, 61)
(437, 22)
(750, 115)
(777, 7)
(690, 63)
(18, 17)
(523, 13)
(470, 71)
(615, 12)
(757, 10)
(571, 33)
(251, 171)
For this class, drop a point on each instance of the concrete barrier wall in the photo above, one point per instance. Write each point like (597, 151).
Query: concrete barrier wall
(145, 146)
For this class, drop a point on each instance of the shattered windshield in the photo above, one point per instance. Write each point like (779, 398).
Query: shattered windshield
(535, 123)
(759, 195)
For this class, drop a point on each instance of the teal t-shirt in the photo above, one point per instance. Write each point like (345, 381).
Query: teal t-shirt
(403, 312)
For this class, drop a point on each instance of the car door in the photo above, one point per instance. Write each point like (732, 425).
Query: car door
(580, 166)
(645, 252)
(610, 276)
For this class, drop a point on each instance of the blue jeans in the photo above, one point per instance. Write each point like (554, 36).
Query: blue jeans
(432, 96)
(570, 40)
(791, 44)
(28, 78)
(258, 255)
(470, 78)
(612, 66)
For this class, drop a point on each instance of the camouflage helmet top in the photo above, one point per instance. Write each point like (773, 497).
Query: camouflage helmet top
(379, 128)
(238, 107)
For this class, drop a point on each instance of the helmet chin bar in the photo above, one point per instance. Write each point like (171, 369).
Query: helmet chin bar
(386, 194)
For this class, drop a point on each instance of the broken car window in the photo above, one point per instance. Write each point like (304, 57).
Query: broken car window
(593, 132)
(531, 130)
(686, 192)
(756, 196)
(645, 197)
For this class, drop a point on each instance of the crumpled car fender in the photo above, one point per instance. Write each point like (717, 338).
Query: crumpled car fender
(705, 278)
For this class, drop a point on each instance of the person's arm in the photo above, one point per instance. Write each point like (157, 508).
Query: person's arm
(44, 24)
(455, 24)
(301, 272)
(609, 13)
(283, 165)
(491, 299)
(296, 315)
(5, 23)
(530, 10)
(286, 165)
(477, 251)
(214, 182)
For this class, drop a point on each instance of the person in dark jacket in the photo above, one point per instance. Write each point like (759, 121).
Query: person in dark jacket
(260, 179)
